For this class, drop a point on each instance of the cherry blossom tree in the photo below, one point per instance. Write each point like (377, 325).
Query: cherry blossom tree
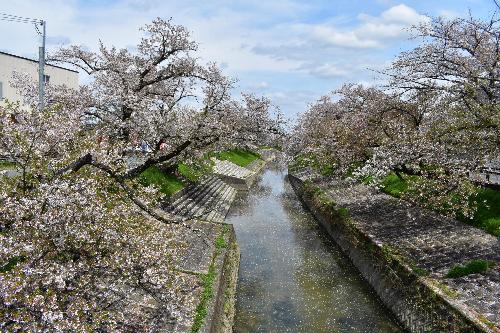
(437, 120)
(78, 233)
(160, 96)
(453, 77)
(73, 246)
(340, 129)
(460, 61)
(259, 123)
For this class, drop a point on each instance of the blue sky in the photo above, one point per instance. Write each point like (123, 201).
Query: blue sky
(291, 51)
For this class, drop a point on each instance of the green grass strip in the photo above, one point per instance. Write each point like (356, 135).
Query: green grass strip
(238, 156)
(393, 185)
(6, 165)
(201, 311)
(472, 267)
(207, 281)
(220, 242)
(487, 216)
(167, 183)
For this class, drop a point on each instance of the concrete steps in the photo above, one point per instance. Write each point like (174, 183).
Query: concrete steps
(238, 177)
(209, 200)
(230, 169)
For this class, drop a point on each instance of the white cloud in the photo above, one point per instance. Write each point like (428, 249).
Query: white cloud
(333, 36)
(403, 14)
(373, 31)
(324, 70)
(262, 85)
(219, 30)
(340, 48)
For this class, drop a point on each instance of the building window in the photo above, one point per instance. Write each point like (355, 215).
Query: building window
(1, 90)
(46, 78)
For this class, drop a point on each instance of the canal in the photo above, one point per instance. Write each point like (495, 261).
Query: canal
(292, 277)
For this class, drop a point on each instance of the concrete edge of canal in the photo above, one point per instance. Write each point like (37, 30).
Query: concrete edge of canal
(221, 310)
(418, 303)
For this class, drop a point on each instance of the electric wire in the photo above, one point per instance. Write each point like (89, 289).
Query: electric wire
(19, 19)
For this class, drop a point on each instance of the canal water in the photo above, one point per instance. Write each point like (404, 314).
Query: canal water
(292, 277)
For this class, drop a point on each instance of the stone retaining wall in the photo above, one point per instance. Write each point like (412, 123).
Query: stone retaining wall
(420, 303)
(241, 184)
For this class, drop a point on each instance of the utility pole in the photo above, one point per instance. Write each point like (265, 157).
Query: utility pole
(41, 50)
(41, 66)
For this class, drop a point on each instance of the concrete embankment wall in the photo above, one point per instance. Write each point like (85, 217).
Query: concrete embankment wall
(420, 303)
(220, 313)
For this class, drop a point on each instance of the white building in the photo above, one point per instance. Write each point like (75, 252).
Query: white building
(10, 63)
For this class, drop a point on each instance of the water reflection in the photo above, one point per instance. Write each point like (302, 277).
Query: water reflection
(292, 277)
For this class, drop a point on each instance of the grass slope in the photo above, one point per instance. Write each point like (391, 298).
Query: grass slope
(394, 186)
(6, 165)
(167, 183)
(193, 172)
(238, 156)
(487, 216)
(170, 183)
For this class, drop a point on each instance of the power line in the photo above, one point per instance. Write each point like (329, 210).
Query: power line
(20, 19)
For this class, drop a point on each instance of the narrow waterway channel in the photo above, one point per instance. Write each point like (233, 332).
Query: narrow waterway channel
(292, 277)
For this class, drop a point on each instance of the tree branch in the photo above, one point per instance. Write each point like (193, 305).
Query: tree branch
(153, 161)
